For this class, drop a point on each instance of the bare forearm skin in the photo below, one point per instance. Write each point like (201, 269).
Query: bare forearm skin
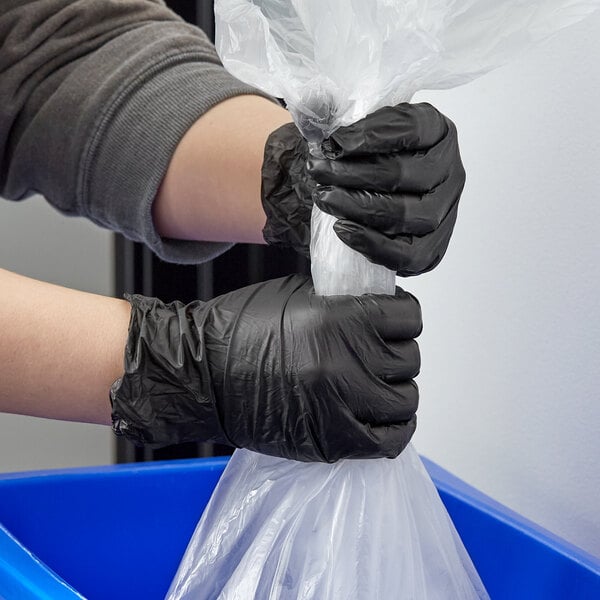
(211, 190)
(60, 350)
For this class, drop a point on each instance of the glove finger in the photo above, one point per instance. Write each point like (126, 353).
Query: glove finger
(393, 214)
(389, 440)
(393, 364)
(401, 128)
(384, 212)
(394, 318)
(399, 362)
(410, 173)
(388, 404)
(407, 255)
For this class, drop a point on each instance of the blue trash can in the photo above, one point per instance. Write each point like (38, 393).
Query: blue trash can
(120, 531)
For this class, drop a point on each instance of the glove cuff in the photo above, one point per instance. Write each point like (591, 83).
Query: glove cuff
(287, 190)
(165, 395)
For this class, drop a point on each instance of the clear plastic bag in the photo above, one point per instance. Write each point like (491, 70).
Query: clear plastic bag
(281, 530)
(365, 529)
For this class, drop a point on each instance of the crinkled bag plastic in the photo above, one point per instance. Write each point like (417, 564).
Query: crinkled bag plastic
(277, 529)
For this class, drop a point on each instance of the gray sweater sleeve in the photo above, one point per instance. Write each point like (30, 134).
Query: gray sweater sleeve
(95, 95)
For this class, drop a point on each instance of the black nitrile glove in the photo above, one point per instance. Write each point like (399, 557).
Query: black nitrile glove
(273, 368)
(393, 180)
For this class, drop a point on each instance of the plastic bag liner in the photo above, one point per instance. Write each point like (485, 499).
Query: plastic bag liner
(280, 529)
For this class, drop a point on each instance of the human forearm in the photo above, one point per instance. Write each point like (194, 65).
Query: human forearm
(60, 350)
(212, 188)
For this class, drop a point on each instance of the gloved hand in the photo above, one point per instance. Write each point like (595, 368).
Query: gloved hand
(273, 368)
(393, 180)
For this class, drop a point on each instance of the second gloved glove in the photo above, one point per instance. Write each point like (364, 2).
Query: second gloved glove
(393, 180)
(273, 368)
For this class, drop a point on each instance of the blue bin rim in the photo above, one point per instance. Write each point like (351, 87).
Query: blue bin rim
(124, 470)
(445, 482)
(452, 485)
(33, 574)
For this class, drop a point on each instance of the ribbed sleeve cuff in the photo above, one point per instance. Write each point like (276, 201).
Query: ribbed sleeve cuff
(135, 139)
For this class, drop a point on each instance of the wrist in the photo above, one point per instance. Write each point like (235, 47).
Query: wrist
(165, 395)
(211, 190)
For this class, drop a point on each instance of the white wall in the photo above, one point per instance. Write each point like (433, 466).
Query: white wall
(510, 382)
(38, 242)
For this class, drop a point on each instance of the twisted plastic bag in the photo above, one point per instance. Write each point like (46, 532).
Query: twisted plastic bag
(278, 529)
